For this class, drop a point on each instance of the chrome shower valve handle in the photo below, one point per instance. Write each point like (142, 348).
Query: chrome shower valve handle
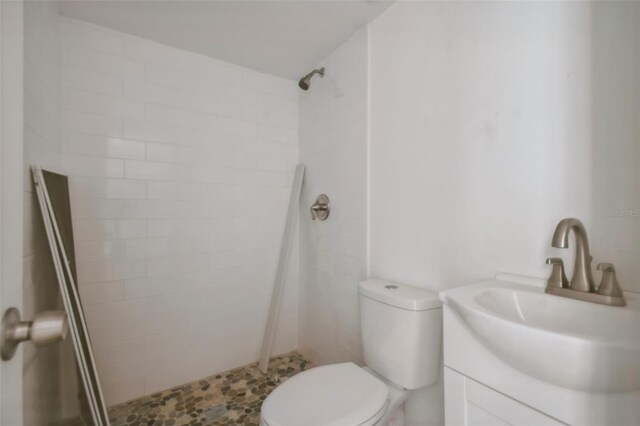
(321, 208)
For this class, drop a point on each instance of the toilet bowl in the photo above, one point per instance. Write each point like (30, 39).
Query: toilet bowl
(401, 336)
(336, 395)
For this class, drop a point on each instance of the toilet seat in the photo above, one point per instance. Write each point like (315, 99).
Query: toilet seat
(332, 395)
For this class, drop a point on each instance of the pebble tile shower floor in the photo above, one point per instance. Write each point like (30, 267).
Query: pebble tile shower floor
(230, 398)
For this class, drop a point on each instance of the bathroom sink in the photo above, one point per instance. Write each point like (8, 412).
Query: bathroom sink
(565, 342)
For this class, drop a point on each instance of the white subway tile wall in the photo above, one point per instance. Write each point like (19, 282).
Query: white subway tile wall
(180, 168)
(333, 144)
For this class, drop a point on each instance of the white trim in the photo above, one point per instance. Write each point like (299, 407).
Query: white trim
(11, 196)
(1, 157)
(368, 158)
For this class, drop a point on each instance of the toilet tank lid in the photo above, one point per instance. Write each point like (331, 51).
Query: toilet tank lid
(399, 295)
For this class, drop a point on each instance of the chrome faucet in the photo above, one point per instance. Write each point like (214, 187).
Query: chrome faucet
(582, 286)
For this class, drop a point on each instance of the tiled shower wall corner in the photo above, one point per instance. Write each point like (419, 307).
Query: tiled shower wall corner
(180, 170)
(50, 386)
(333, 144)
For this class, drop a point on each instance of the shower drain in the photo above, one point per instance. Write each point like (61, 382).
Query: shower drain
(214, 412)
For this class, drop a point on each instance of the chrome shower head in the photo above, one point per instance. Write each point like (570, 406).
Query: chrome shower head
(305, 81)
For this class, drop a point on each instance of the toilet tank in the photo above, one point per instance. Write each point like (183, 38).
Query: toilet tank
(401, 332)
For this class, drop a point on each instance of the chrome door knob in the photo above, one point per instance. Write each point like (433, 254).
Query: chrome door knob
(46, 328)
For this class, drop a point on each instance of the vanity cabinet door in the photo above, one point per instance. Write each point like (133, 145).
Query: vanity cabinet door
(471, 403)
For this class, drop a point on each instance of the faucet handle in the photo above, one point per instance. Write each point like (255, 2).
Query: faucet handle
(609, 285)
(557, 277)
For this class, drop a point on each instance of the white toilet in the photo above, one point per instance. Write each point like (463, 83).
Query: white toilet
(401, 337)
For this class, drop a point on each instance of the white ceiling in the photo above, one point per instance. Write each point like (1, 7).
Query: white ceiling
(284, 38)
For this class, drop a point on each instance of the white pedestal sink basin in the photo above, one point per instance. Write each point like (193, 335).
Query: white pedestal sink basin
(568, 343)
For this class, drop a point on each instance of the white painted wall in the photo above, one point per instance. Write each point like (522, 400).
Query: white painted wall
(482, 140)
(615, 177)
(490, 122)
(180, 170)
(333, 145)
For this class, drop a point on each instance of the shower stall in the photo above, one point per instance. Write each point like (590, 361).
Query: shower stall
(178, 199)
(179, 170)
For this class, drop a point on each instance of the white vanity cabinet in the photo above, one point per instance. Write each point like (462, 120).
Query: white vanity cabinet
(514, 355)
